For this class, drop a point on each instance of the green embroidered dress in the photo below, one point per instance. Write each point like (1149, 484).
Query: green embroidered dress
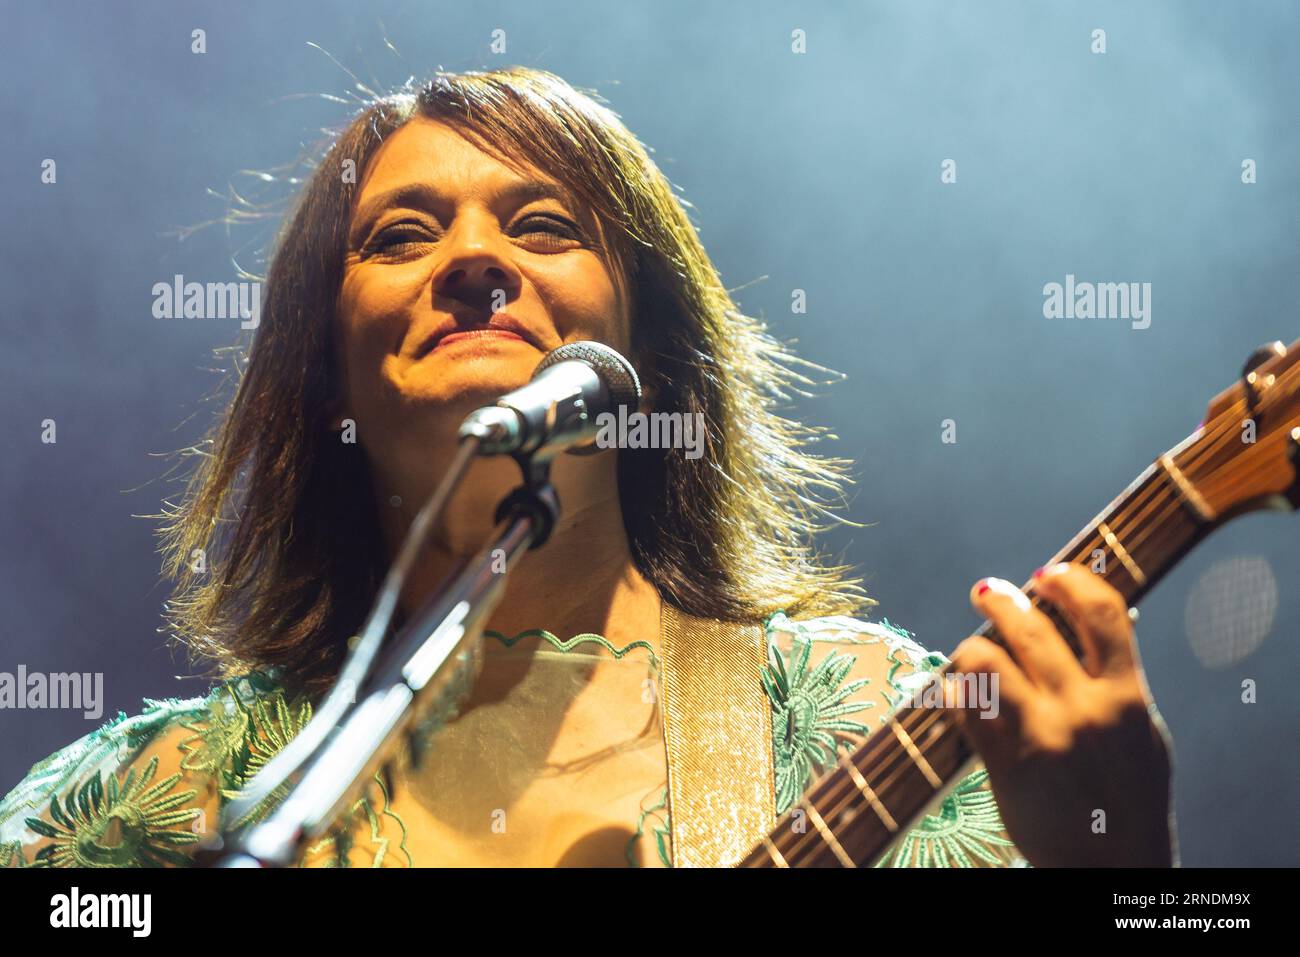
(502, 785)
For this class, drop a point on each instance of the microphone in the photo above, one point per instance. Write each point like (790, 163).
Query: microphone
(557, 410)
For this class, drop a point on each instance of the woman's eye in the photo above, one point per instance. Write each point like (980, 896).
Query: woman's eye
(398, 237)
(402, 238)
(550, 225)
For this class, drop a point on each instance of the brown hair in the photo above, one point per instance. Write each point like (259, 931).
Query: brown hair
(284, 516)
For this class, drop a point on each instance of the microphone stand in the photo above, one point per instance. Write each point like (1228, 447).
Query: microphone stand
(421, 679)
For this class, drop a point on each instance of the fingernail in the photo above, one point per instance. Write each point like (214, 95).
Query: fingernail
(983, 587)
(1038, 572)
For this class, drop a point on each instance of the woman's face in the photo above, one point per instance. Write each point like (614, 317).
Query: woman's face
(461, 274)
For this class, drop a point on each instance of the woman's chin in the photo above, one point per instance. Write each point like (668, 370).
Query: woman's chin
(456, 391)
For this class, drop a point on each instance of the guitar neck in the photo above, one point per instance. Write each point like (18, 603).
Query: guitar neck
(854, 812)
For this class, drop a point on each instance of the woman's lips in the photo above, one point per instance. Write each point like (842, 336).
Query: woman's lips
(479, 334)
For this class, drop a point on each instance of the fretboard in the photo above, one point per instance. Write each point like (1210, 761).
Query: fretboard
(851, 815)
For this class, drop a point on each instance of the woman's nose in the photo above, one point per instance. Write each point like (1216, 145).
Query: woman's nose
(475, 269)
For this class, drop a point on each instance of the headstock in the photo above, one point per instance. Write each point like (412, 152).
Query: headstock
(1246, 455)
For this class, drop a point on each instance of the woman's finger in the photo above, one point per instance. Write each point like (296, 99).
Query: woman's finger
(1029, 634)
(1098, 613)
(993, 731)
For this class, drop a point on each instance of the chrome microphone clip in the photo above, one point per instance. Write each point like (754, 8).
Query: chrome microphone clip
(558, 410)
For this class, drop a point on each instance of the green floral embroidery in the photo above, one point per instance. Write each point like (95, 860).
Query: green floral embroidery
(219, 734)
(117, 736)
(270, 734)
(267, 727)
(967, 826)
(564, 646)
(336, 848)
(904, 687)
(11, 855)
(657, 814)
(807, 708)
(237, 740)
(228, 724)
(376, 826)
(126, 826)
(244, 722)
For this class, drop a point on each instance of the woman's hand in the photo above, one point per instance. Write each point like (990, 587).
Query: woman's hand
(1078, 757)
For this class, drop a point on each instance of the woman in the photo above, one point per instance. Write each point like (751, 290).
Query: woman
(449, 239)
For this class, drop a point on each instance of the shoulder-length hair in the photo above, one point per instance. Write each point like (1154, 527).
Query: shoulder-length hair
(284, 515)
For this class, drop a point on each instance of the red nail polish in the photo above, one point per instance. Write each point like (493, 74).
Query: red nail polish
(1038, 572)
(984, 586)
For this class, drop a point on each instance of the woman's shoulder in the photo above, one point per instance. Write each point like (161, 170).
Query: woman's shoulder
(849, 631)
(877, 660)
(140, 788)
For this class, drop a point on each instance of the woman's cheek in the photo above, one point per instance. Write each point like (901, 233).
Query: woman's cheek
(584, 304)
(375, 307)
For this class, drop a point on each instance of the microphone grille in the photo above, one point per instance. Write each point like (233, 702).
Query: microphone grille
(614, 370)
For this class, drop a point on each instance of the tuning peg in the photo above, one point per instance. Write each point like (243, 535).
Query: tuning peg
(1262, 355)
(1257, 359)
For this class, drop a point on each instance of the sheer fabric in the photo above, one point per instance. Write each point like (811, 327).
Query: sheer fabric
(557, 759)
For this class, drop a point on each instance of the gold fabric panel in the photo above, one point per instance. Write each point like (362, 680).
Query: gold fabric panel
(718, 733)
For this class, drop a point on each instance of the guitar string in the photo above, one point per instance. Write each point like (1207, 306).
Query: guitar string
(1215, 440)
(1223, 482)
(1219, 439)
(1147, 499)
(847, 795)
(892, 748)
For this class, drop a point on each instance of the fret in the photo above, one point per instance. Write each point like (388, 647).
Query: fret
(872, 800)
(1113, 534)
(773, 853)
(1186, 489)
(827, 835)
(919, 759)
(897, 775)
(935, 733)
(1111, 539)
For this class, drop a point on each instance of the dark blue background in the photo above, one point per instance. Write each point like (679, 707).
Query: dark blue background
(817, 171)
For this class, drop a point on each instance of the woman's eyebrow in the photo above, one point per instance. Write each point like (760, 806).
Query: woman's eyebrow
(430, 196)
(529, 190)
